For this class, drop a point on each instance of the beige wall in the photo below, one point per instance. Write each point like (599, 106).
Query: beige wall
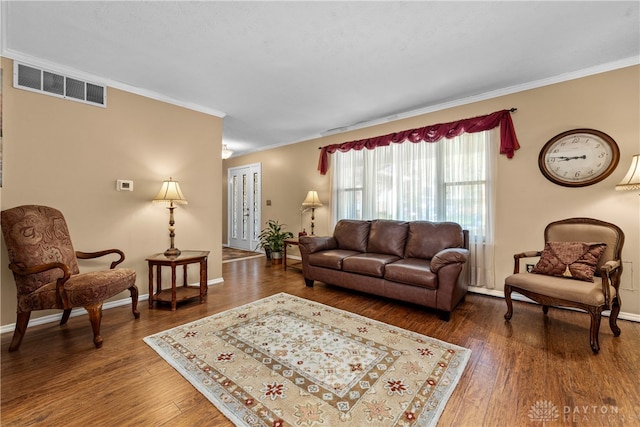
(526, 201)
(69, 155)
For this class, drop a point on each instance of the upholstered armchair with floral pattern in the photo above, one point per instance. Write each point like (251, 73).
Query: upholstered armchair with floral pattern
(45, 268)
(579, 267)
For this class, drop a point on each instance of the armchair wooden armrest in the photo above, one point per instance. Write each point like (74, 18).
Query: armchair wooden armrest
(610, 266)
(606, 271)
(91, 255)
(517, 257)
(21, 269)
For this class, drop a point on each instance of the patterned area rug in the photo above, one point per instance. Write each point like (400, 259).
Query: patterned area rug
(233, 254)
(284, 360)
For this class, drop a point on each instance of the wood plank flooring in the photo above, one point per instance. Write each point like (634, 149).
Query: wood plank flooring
(58, 378)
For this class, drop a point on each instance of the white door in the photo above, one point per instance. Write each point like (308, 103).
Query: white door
(244, 206)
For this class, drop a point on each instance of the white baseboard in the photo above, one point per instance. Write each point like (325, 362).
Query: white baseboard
(81, 311)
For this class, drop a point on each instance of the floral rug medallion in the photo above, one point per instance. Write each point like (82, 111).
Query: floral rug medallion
(284, 360)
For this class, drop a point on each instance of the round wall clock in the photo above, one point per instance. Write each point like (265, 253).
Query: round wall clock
(579, 157)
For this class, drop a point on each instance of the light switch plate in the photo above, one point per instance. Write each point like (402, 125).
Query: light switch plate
(124, 185)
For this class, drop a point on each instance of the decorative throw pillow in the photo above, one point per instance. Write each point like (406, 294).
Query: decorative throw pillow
(574, 260)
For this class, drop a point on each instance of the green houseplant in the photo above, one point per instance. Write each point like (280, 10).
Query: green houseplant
(272, 240)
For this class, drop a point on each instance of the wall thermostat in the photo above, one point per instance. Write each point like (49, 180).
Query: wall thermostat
(124, 185)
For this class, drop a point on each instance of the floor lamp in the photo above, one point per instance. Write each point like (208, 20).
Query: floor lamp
(171, 193)
(312, 201)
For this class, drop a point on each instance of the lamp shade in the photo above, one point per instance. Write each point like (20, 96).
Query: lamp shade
(312, 200)
(631, 180)
(226, 153)
(170, 193)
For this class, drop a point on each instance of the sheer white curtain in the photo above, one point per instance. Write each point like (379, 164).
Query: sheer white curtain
(449, 180)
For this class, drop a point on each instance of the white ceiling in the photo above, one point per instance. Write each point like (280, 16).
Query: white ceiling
(283, 72)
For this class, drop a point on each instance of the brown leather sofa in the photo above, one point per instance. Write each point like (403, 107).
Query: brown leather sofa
(420, 262)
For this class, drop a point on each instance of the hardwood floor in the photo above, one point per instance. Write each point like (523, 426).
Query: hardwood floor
(58, 378)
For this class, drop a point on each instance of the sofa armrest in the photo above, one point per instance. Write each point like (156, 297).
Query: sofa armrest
(449, 256)
(312, 244)
(452, 267)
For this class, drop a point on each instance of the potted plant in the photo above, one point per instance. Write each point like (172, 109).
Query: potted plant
(272, 240)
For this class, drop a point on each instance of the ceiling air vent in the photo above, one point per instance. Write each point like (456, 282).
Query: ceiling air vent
(49, 83)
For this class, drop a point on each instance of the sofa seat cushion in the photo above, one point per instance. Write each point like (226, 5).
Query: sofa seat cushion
(563, 288)
(412, 271)
(368, 264)
(331, 258)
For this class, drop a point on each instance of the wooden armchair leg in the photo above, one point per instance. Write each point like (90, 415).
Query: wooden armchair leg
(134, 301)
(507, 297)
(95, 317)
(596, 316)
(65, 316)
(613, 317)
(21, 327)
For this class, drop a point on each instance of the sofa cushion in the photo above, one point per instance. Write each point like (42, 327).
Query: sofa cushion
(388, 237)
(427, 238)
(412, 271)
(368, 264)
(330, 259)
(352, 235)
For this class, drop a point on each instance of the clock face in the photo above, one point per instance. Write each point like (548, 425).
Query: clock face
(578, 158)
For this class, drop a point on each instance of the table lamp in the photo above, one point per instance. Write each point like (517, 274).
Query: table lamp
(312, 201)
(171, 193)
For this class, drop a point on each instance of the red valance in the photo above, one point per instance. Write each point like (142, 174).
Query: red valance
(433, 133)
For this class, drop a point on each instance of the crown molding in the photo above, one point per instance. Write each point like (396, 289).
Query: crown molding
(602, 68)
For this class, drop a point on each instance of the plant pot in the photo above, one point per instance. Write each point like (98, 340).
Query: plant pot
(273, 237)
(276, 257)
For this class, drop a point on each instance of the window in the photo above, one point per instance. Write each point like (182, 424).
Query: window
(449, 180)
